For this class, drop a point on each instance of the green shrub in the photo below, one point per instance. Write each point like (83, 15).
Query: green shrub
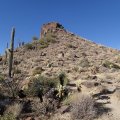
(43, 46)
(41, 84)
(43, 43)
(34, 38)
(49, 38)
(110, 65)
(29, 46)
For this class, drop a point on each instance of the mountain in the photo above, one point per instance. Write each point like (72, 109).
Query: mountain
(94, 67)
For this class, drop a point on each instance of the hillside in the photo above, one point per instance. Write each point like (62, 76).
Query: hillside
(94, 67)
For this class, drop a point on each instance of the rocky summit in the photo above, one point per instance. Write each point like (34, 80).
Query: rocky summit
(91, 71)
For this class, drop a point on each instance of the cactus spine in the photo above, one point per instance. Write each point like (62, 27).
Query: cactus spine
(10, 61)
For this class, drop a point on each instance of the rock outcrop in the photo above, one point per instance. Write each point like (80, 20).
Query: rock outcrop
(50, 27)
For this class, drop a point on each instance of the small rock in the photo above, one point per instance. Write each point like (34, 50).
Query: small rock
(43, 54)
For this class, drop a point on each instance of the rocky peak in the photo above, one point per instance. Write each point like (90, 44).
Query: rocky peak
(50, 27)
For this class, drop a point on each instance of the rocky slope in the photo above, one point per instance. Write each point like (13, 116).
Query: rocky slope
(95, 67)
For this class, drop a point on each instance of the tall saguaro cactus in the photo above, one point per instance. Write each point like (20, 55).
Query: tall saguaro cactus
(6, 54)
(10, 61)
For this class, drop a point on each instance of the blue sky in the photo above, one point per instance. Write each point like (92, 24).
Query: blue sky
(96, 20)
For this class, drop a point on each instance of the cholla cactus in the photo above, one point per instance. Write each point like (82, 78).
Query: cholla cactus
(61, 86)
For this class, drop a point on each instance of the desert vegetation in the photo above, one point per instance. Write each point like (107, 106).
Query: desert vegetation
(59, 76)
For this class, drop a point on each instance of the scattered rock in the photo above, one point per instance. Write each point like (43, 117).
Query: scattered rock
(43, 54)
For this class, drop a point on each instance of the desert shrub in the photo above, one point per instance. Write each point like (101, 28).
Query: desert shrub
(49, 38)
(83, 108)
(84, 63)
(41, 83)
(14, 109)
(48, 82)
(29, 46)
(110, 65)
(34, 38)
(7, 117)
(47, 106)
(37, 70)
(43, 43)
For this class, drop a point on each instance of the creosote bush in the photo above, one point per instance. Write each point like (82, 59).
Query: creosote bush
(83, 108)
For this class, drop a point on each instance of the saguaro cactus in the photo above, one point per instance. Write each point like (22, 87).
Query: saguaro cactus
(6, 54)
(10, 61)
